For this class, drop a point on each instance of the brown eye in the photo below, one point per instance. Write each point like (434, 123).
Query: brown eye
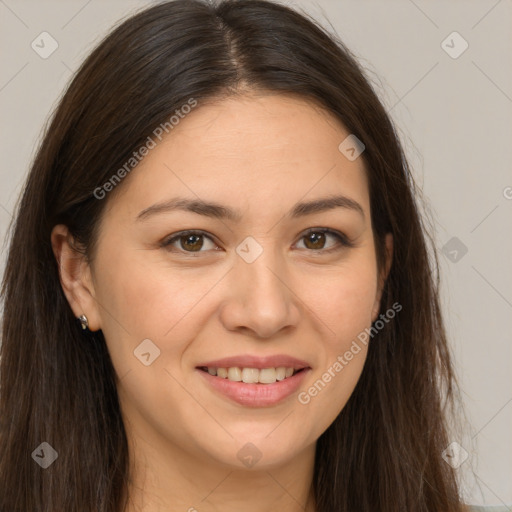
(315, 240)
(189, 242)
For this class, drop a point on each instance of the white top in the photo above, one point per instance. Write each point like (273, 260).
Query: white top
(486, 508)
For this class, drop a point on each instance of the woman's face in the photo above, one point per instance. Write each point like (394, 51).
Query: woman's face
(250, 285)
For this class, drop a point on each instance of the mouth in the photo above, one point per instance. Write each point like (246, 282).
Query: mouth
(254, 381)
(250, 375)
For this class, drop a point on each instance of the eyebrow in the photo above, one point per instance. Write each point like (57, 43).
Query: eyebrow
(218, 211)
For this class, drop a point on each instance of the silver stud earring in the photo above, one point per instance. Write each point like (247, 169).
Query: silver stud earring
(83, 322)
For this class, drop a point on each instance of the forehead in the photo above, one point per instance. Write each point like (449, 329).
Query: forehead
(250, 152)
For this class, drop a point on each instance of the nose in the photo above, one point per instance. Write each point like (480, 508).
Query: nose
(261, 300)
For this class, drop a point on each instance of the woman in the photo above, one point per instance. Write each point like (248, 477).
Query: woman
(218, 294)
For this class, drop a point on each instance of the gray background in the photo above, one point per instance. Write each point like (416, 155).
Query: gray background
(454, 117)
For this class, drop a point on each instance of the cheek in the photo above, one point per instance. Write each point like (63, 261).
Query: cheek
(327, 392)
(343, 302)
(343, 299)
(140, 301)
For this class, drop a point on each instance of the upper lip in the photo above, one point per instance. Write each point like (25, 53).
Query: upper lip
(248, 361)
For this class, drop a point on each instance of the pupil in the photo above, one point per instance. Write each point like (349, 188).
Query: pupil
(194, 242)
(317, 239)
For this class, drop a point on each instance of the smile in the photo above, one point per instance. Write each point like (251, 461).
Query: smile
(252, 375)
(254, 394)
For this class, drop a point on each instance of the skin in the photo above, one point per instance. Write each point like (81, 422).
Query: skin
(261, 154)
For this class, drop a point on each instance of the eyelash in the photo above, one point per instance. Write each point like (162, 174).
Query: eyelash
(343, 241)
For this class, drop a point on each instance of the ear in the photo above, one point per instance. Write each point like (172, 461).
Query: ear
(383, 275)
(75, 276)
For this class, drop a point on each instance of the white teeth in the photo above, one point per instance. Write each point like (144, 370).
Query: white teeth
(267, 376)
(280, 373)
(252, 375)
(235, 374)
(222, 373)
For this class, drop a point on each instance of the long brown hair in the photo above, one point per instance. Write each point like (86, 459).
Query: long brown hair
(383, 451)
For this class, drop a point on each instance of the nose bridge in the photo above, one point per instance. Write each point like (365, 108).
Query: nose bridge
(262, 300)
(264, 281)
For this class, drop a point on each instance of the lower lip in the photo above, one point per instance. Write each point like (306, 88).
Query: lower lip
(256, 395)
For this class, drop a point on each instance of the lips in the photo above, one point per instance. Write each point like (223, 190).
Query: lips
(254, 393)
